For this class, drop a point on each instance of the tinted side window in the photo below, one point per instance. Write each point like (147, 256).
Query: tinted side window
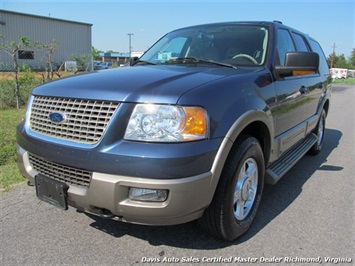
(323, 64)
(284, 45)
(300, 42)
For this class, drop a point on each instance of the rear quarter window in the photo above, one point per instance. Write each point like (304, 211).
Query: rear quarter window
(300, 42)
(323, 64)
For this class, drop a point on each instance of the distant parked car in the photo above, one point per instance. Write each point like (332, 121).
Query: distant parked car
(96, 64)
(102, 65)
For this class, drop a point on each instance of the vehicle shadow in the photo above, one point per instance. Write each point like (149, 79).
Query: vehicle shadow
(275, 200)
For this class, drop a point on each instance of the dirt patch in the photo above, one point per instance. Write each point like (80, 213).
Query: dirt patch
(6, 75)
(37, 75)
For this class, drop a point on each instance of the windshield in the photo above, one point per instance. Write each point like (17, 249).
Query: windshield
(236, 45)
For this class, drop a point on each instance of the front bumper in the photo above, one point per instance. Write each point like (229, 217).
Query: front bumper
(187, 198)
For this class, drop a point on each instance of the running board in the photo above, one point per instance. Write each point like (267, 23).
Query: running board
(287, 161)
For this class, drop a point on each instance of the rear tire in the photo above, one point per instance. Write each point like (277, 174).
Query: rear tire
(238, 193)
(319, 131)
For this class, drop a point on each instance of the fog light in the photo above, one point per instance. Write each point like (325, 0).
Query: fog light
(147, 194)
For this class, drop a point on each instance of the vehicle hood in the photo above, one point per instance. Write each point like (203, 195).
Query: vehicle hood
(155, 84)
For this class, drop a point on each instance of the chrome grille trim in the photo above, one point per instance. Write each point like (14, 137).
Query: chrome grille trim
(59, 172)
(86, 120)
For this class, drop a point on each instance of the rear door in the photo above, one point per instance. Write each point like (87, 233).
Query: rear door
(314, 83)
(322, 80)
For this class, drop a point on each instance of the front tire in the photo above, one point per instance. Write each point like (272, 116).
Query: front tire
(238, 193)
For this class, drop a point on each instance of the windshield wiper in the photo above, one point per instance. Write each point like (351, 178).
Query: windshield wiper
(142, 62)
(195, 60)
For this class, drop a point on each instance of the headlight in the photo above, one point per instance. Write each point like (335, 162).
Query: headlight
(167, 123)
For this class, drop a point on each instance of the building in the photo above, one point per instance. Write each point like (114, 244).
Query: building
(118, 59)
(114, 58)
(73, 40)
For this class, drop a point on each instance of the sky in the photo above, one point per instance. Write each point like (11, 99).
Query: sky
(329, 22)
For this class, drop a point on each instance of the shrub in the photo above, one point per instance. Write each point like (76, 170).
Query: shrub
(9, 173)
(8, 122)
(27, 82)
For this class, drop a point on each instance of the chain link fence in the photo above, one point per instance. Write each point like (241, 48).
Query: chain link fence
(25, 64)
(38, 59)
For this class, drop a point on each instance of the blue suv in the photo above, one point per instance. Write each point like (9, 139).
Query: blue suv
(191, 130)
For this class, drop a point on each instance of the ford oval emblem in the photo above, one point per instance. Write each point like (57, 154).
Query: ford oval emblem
(57, 117)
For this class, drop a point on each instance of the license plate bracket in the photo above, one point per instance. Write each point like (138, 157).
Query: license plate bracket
(52, 191)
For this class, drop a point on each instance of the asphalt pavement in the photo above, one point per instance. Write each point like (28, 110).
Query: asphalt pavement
(306, 218)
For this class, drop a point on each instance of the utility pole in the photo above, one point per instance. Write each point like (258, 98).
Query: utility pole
(130, 47)
(333, 56)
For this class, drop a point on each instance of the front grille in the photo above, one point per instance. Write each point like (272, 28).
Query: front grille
(85, 120)
(59, 172)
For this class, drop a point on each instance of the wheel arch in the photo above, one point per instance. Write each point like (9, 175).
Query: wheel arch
(257, 124)
(254, 123)
(326, 106)
(260, 131)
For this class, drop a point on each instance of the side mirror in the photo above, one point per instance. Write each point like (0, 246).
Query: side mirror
(132, 60)
(298, 63)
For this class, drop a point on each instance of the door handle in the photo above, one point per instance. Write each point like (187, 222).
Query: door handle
(303, 90)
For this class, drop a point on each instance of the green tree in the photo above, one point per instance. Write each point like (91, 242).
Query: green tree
(83, 62)
(338, 61)
(95, 53)
(12, 48)
(342, 62)
(111, 52)
(352, 59)
(50, 49)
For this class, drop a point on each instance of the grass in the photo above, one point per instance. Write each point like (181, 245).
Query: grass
(10, 118)
(345, 81)
(9, 173)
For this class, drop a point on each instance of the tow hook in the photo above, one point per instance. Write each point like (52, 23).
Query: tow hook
(106, 214)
